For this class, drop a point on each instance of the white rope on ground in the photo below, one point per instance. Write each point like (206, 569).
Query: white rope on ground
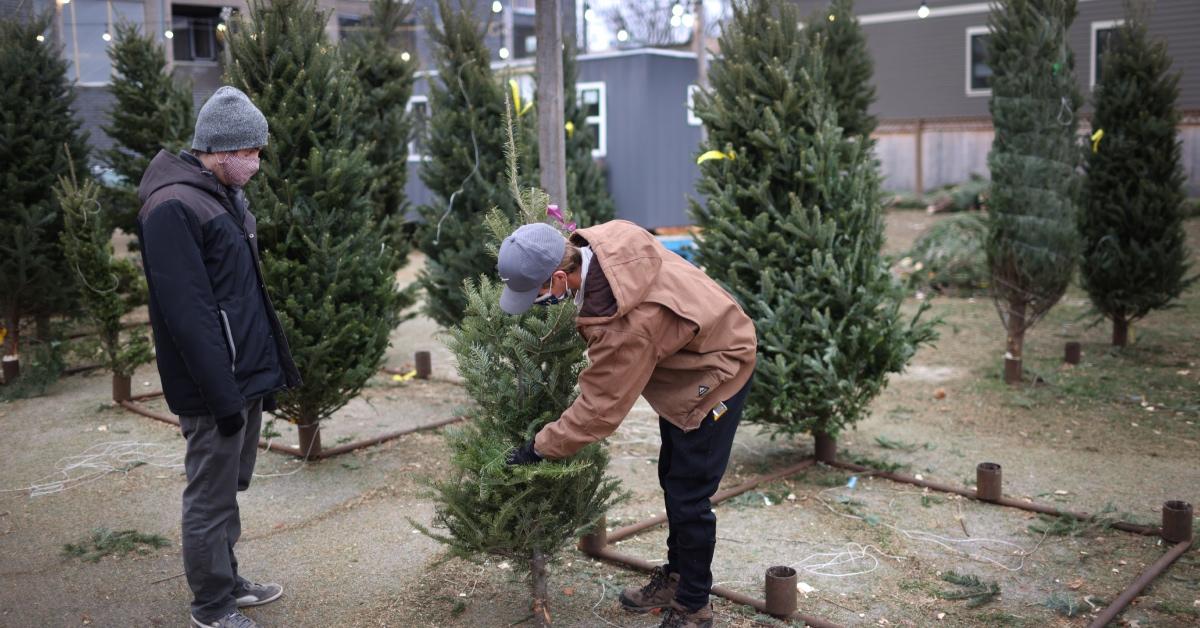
(603, 591)
(100, 460)
(303, 461)
(851, 554)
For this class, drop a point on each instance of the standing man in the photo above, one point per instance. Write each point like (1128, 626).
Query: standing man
(658, 327)
(221, 351)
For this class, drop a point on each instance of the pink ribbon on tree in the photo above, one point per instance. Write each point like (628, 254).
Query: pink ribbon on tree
(554, 212)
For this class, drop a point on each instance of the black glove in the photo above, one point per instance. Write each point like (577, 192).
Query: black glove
(270, 404)
(229, 425)
(524, 454)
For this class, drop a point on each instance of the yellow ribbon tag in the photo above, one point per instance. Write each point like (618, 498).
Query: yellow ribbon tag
(405, 377)
(3, 334)
(516, 98)
(714, 154)
(570, 126)
(1096, 137)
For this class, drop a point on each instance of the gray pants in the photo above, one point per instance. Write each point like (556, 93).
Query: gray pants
(217, 468)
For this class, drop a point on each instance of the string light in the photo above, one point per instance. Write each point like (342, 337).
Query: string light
(41, 38)
(590, 15)
(169, 34)
(676, 21)
(497, 7)
(504, 53)
(689, 20)
(923, 11)
(221, 27)
(106, 37)
(677, 10)
(832, 17)
(404, 56)
(622, 35)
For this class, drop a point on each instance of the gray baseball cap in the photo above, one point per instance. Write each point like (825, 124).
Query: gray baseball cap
(528, 258)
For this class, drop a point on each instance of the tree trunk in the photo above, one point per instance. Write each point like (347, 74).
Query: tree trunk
(552, 142)
(538, 578)
(12, 338)
(1016, 342)
(1120, 336)
(42, 327)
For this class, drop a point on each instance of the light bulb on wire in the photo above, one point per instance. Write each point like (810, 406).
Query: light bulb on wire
(923, 11)
(676, 21)
(41, 38)
(622, 35)
(497, 7)
(503, 53)
(169, 34)
(590, 15)
(106, 37)
(677, 10)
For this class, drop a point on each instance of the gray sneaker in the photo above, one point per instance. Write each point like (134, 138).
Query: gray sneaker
(232, 620)
(254, 594)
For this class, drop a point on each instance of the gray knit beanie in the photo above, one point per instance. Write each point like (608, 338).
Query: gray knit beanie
(229, 122)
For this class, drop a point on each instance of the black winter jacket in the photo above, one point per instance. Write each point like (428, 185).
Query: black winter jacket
(218, 340)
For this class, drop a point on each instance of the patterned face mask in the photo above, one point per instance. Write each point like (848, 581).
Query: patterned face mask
(238, 170)
(550, 298)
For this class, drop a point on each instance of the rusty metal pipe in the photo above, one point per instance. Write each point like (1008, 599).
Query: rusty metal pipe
(424, 364)
(1111, 611)
(987, 482)
(627, 531)
(147, 396)
(613, 556)
(172, 420)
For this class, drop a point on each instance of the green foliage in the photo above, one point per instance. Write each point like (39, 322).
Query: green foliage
(41, 365)
(1032, 238)
(152, 112)
(104, 542)
(1071, 606)
(793, 229)
(109, 288)
(1134, 245)
(951, 256)
(382, 124)
(587, 184)
(977, 592)
(848, 66)
(35, 124)
(324, 258)
(465, 172)
(959, 197)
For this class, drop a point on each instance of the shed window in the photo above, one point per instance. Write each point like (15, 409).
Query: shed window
(1102, 35)
(591, 99)
(418, 108)
(979, 73)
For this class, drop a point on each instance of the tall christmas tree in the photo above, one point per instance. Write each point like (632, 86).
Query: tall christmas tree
(1032, 237)
(37, 131)
(587, 185)
(1131, 221)
(466, 162)
(521, 371)
(382, 123)
(151, 112)
(324, 258)
(848, 65)
(793, 228)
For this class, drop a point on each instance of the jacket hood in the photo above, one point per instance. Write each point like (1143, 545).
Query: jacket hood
(632, 259)
(168, 169)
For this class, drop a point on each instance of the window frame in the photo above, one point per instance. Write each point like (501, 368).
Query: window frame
(692, 118)
(1097, 26)
(214, 45)
(408, 107)
(971, 92)
(600, 120)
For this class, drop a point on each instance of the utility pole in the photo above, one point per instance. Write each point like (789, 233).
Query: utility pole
(552, 144)
(701, 57)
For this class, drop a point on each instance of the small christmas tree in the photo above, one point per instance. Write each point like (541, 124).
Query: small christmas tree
(1131, 223)
(324, 256)
(848, 65)
(587, 185)
(386, 81)
(521, 371)
(152, 112)
(793, 228)
(466, 162)
(35, 124)
(1032, 237)
(109, 288)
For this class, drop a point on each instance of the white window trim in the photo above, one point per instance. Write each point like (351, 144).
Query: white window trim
(692, 119)
(971, 32)
(408, 109)
(1096, 28)
(601, 120)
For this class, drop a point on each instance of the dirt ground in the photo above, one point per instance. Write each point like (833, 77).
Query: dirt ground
(1119, 434)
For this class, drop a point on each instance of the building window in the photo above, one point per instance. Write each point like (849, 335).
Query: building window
(418, 108)
(195, 32)
(350, 27)
(1102, 34)
(691, 104)
(979, 73)
(85, 25)
(591, 99)
(525, 41)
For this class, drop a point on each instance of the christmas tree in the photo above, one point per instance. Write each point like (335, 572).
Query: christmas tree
(848, 65)
(108, 287)
(1032, 237)
(152, 112)
(324, 257)
(587, 185)
(39, 141)
(521, 371)
(381, 123)
(465, 170)
(793, 228)
(1131, 221)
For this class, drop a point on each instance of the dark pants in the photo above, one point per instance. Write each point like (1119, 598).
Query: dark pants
(690, 466)
(217, 468)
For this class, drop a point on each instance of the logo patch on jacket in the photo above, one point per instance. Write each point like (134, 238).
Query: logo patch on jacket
(703, 390)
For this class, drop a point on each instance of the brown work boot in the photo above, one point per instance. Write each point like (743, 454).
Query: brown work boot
(658, 593)
(679, 617)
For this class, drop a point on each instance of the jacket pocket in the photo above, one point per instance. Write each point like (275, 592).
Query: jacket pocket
(229, 340)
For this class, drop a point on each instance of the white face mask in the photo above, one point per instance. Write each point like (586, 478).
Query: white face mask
(550, 298)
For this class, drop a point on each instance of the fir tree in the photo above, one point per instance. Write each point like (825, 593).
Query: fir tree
(793, 228)
(325, 261)
(521, 371)
(109, 287)
(35, 124)
(848, 65)
(587, 185)
(151, 112)
(466, 166)
(1131, 223)
(381, 123)
(1032, 236)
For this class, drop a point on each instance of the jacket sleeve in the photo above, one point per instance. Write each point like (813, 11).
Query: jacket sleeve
(621, 363)
(179, 281)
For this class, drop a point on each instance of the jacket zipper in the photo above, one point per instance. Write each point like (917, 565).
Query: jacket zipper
(229, 340)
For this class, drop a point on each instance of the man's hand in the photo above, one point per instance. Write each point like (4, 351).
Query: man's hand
(229, 425)
(525, 454)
